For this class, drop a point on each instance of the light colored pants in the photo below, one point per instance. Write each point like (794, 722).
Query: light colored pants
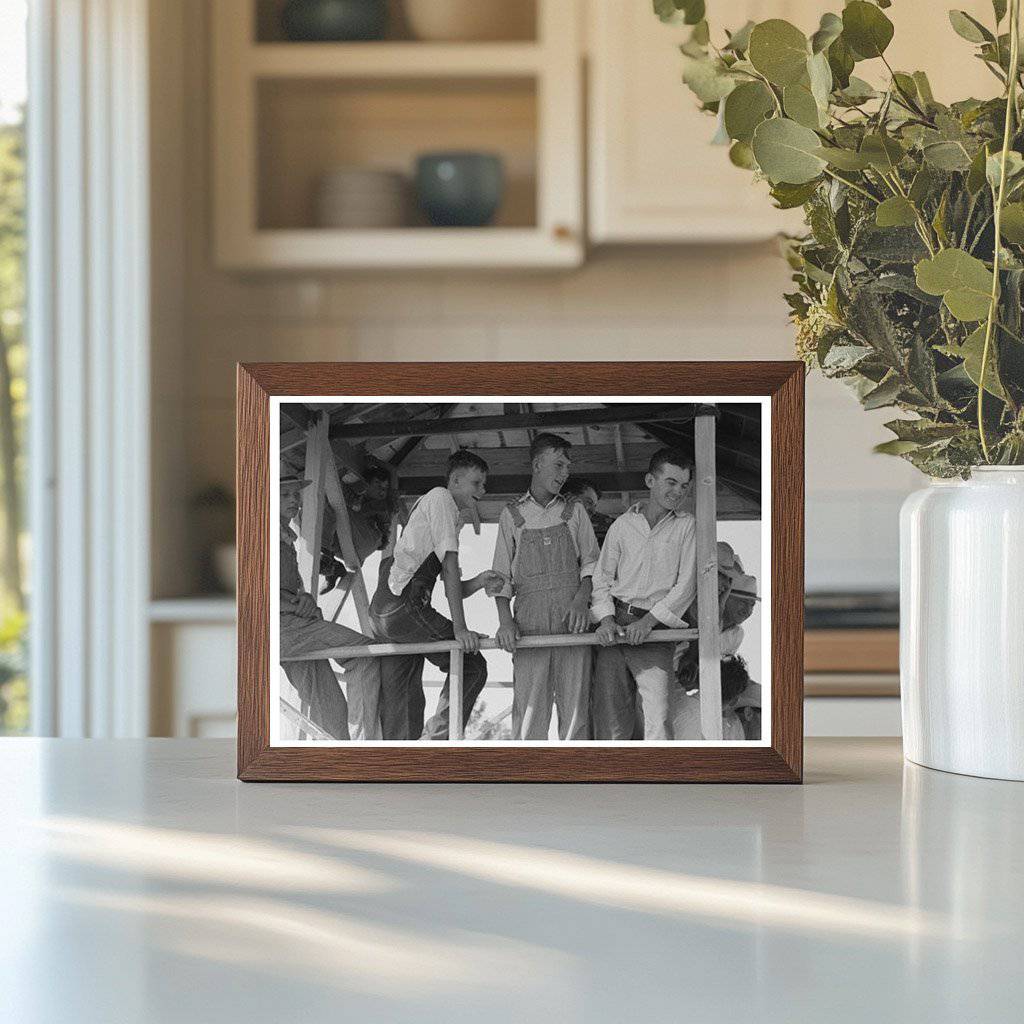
(630, 682)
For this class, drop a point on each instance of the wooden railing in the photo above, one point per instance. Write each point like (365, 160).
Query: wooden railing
(456, 655)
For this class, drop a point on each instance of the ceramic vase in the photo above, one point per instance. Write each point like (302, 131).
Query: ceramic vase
(962, 624)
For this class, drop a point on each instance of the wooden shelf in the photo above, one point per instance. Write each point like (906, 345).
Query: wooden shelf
(393, 60)
(852, 650)
(319, 248)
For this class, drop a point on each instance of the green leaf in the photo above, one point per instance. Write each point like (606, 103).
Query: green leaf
(971, 351)
(801, 106)
(866, 29)
(739, 41)
(841, 63)
(922, 185)
(741, 155)
(779, 51)
(882, 151)
(689, 12)
(895, 447)
(829, 30)
(969, 28)
(819, 75)
(745, 108)
(895, 212)
(885, 394)
(947, 156)
(924, 88)
(999, 9)
(857, 91)
(963, 281)
(786, 151)
(993, 167)
(923, 431)
(707, 78)
(844, 159)
(976, 173)
(787, 196)
(1011, 226)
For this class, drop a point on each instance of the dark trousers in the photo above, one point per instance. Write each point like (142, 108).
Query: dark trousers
(403, 620)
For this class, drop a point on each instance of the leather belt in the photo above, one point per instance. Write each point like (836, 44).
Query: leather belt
(630, 609)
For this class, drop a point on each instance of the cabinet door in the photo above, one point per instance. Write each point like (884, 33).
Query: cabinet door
(654, 177)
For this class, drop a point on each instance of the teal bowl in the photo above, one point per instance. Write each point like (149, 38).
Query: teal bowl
(334, 21)
(460, 189)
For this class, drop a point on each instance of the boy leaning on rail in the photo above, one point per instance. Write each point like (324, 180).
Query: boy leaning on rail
(547, 551)
(646, 577)
(428, 547)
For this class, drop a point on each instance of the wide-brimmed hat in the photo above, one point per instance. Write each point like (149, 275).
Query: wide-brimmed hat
(293, 480)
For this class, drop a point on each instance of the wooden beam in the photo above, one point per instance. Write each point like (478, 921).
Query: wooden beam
(469, 424)
(709, 641)
(412, 443)
(586, 460)
(318, 455)
(455, 674)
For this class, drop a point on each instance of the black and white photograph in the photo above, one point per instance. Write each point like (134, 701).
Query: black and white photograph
(520, 570)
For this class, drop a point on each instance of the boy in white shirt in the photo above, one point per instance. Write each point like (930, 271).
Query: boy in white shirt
(428, 547)
(646, 577)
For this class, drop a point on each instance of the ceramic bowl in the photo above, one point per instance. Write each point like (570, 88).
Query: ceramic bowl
(460, 189)
(332, 21)
(470, 20)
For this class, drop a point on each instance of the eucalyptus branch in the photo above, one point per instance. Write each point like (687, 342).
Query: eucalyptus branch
(1011, 108)
(852, 184)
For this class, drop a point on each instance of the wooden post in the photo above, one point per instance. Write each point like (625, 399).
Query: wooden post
(455, 728)
(312, 518)
(336, 496)
(709, 640)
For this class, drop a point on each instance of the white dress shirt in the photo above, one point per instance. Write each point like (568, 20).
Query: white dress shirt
(654, 568)
(433, 527)
(537, 517)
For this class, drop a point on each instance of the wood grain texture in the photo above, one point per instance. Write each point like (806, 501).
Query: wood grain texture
(781, 762)
(852, 650)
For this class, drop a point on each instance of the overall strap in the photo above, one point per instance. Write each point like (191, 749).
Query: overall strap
(517, 517)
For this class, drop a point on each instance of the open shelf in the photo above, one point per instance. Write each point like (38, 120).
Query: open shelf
(387, 60)
(286, 114)
(308, 127)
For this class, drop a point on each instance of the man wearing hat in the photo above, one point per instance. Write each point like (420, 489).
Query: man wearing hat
(303, 629)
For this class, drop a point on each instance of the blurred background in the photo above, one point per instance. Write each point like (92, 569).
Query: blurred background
(256, 180)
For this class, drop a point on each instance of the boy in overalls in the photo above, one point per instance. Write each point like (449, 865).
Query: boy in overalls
(428, 547)
(547, 550)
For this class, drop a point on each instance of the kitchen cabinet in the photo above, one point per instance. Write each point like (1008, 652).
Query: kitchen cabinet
(287, 114)
(654, 177)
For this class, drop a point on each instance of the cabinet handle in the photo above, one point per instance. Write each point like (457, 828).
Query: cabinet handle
(562, 232)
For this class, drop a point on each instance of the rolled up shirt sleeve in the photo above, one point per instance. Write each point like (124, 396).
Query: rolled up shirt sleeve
(586, 543)
(671, 607)
(504, 551)
(601, 603)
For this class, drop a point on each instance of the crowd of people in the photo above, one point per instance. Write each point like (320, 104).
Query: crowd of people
(559, 567)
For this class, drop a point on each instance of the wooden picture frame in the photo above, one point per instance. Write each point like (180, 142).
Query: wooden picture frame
(779, 759)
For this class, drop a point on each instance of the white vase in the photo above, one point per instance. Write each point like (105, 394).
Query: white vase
(962, 624)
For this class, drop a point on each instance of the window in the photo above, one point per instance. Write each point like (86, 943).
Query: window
(14, 694)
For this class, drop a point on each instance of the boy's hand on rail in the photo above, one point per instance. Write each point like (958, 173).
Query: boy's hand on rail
(608, 632)
(637, 632)
(507, 637)
(468, 640)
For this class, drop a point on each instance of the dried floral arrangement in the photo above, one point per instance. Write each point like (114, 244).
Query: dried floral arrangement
(902, 291)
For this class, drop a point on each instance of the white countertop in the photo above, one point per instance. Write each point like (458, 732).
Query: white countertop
(140, 882)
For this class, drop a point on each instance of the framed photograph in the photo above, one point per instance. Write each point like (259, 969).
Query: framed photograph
(565, 572)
